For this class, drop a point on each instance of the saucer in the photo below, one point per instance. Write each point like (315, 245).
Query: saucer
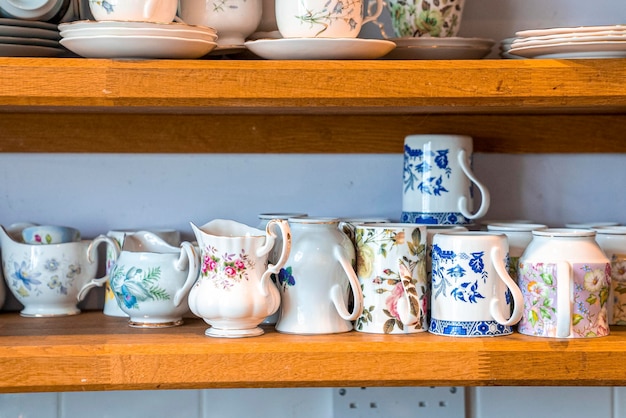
(146, 47)
(17, 50)
(453, 48)
(320, 48)
(569, 50)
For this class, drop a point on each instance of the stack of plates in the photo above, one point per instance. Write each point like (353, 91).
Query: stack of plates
(25, 38)
(579, 42)
(453, 48)
(143, 40)
(505, 47)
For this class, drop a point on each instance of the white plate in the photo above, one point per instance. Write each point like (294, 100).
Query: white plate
(320, 48)
(142, 47)
(17, 50)
(437, 53)
(29, 41)
(122, 31)
(532, 42)
(81, 24)
(573, 50)
(579, 29)
(28, 24)
(451, 42)
(24, 32)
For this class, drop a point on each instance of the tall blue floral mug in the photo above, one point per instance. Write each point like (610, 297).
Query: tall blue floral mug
(472, 291)
(438, 181)
(391, 267)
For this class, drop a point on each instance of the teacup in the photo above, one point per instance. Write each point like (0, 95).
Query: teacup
(234, 20)
(50, 234)
(151, 280)
(160, 11)
(323, 18)
(49, 280)
(426, 18)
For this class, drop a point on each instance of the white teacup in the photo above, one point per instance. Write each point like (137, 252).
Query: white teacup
(234, 20)
(426, 18)
(323, 18)
(160, 11)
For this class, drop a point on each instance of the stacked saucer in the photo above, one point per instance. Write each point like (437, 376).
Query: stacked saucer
(26, 38)
(142, 40)
(577, 42)
(432, 48)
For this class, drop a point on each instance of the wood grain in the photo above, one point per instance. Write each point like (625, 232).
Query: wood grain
(95, 352)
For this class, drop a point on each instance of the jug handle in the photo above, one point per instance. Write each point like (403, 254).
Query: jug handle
(485, 196)
(373, 17)
(92, 258)
(189, 258)
(336, 292)
(285, 231)
(381, 25)
(563, 299)
(516, 293)
(409, 313)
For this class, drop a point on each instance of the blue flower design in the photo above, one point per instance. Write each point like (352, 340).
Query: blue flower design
(476, 263)
(413, 152)
(129, 299)
(442, 159)
(285, 277)
(27, 278)
(456, 271)
(107, 6)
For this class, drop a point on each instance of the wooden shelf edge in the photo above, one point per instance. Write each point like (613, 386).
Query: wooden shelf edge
(310, 86)
(94, 352)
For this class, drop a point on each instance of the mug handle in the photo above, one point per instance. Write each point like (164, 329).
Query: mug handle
(285, 231)
(518, 298)
(563, 301)
(92, 258)
(336, 292)
(410, 314)
(381, 25)
(464, 162)
(373, 17)
(190, 259)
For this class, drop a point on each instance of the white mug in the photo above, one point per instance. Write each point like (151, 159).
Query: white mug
(391, 267)
(472, 291)
(323, 18)
(437, 180)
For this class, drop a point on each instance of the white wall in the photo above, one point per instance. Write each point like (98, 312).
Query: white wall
(114, 191)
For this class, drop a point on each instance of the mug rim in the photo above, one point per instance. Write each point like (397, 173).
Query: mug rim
(565, 232)
(515, 227)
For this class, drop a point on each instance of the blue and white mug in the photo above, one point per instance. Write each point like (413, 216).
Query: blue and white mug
(472, 290)
(438, 181)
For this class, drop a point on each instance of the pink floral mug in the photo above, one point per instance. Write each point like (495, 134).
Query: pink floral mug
(565, 278)
(391, 267)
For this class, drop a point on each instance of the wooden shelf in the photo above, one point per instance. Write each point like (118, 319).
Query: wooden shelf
(95, 352)
(89, 105)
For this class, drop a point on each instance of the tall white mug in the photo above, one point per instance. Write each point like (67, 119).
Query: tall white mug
(438, 181)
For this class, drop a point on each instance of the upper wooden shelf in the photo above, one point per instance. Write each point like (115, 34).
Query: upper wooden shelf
(232, 106)
(231, 86)
(95, 352)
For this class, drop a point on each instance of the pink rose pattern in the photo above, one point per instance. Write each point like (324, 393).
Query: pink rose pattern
(225, 270)
(538, 283)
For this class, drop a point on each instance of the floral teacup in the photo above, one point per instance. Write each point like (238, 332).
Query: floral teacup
(426, 18)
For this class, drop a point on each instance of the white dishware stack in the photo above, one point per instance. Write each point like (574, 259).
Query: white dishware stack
(608, 41)
(137, 29)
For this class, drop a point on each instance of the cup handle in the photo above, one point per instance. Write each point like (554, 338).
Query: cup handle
(464, 162)
(518, 299)
(285, 231)
(373, 16)
(563, 299)
(410, 314)
(92, 257)
(190, 259)
(336, 292)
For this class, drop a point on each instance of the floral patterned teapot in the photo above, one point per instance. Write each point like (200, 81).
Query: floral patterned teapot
(50, 279)
(234, 292)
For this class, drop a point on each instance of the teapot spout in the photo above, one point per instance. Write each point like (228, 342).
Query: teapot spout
(197, 232)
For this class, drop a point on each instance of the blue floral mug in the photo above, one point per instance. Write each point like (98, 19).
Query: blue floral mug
(472, 291)
(438, 181)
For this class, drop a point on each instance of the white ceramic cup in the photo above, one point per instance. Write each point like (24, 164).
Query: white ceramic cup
(438, 179)
(565, 279)
(612, 240)
(391, 267)
(160, 11)
(323, 18)
(234, 20)
(425, 18)
(471, 287)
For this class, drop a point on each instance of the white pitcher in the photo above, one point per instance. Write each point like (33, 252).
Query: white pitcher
(234, 292)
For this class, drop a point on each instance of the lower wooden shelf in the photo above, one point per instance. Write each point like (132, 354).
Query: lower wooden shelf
(94, 352)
